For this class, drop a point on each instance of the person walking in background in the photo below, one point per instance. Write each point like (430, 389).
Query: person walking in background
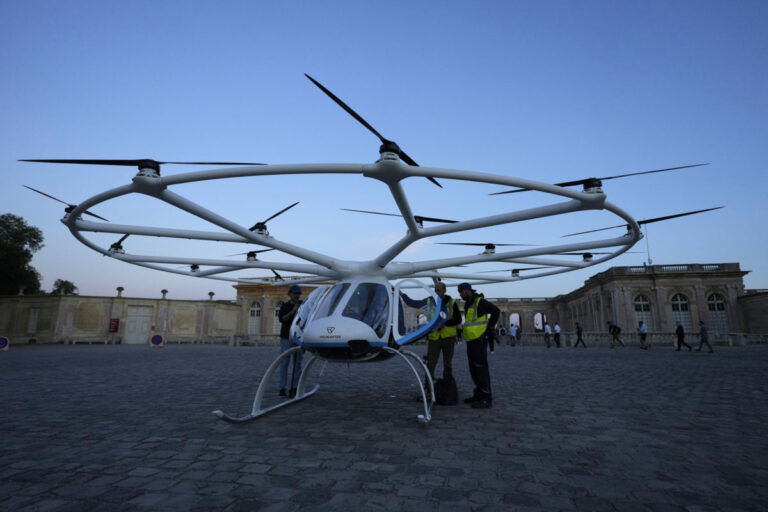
(614, 331)
(512, 334)
(642, 331)
(680, 332)
(579, 336)
(547, 333)
(703, 337)
(557, 334)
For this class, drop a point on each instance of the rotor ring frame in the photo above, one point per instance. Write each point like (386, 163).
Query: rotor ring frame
(389, 170)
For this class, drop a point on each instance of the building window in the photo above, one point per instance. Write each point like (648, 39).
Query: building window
(254, 319)
(643, 311)
(514, 319)
(681, 312)
(718, 319)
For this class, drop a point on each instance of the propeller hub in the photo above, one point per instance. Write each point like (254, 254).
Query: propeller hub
(592, 185)
(389, 146)
(149, 167)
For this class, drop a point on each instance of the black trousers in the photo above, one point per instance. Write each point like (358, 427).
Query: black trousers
(477, 355)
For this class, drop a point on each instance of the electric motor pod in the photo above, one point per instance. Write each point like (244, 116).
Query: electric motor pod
(4, 343)
(157, 341)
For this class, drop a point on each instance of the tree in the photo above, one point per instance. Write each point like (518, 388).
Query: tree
(18, 242)
(64, 287)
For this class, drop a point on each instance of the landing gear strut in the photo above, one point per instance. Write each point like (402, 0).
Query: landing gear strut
(427, 398)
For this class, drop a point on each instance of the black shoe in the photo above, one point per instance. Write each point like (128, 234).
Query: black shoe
(293, 392)
(481, 404)
(470, 400)
(282, 392)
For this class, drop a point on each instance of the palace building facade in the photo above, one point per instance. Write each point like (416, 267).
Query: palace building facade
(658, 295)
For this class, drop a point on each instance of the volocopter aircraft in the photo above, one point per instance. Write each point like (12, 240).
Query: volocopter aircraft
(360, 316)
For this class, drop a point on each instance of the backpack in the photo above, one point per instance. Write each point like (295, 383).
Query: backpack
(446, 392)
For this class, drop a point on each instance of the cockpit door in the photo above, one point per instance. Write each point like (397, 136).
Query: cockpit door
(306, 311)
(414, 318)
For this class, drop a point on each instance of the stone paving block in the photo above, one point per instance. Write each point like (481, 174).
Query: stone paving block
(567, 427)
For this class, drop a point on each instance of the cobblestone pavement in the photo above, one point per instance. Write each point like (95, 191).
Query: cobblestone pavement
(130, 428)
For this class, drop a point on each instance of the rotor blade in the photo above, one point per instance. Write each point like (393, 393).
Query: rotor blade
(582, 181)
(512, 269)
(417, 218)
(580, 253)
(591, 252)
(403, 155)
(134, 162)
(281, 212)
(247, 252)
(481, 244)
(433, 219)
(48, 195)
(278, 276)
(123, 239)
(348, 109)
(94, 215)
(649, 172)
(657, 219)
(374, 213)
(64, 202)
(648, 221)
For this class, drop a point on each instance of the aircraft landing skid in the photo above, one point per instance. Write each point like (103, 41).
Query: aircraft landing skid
(257, 411)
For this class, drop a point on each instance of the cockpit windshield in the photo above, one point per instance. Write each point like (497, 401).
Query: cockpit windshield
(331, 300)
(369, 303)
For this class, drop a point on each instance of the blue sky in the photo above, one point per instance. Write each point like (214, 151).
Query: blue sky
(551, 91)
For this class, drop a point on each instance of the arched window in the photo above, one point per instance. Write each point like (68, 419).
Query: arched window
(514, 318)
(254, 319)
(538, 322)
(718, 319)
(643, 311)
(681, 312)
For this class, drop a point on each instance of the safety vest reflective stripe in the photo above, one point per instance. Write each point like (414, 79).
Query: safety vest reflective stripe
(474, 327)
(445, 331)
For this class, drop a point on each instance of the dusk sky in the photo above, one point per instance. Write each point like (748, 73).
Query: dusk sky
(545, 90)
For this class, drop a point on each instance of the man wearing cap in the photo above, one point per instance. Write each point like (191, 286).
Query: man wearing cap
(443, 339)
(285, 314)
(478, 333)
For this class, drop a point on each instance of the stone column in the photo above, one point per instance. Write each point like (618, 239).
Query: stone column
(661, 314)
(701, 306)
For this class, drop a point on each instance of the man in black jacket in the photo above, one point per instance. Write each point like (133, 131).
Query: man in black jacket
(681, 337)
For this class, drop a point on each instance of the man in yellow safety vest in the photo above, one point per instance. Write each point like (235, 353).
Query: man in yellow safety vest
(443, 339)
(480, 317)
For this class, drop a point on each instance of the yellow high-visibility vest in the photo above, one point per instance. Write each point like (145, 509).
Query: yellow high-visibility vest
(445, 331)
(474, 327)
